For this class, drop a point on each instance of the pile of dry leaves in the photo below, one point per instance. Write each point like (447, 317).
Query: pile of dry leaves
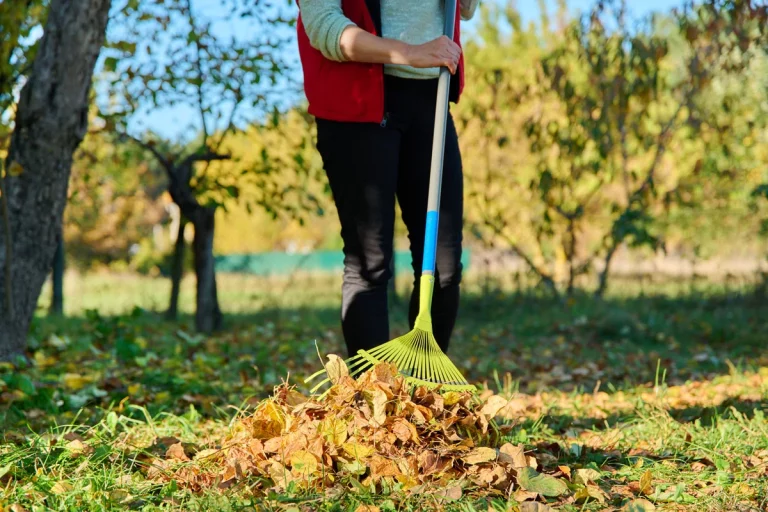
(373, 433)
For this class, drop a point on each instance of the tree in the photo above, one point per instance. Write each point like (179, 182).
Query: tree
(618, 129)
(175, 54)
(50, 122)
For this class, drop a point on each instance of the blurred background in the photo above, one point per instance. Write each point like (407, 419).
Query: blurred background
(616, 192)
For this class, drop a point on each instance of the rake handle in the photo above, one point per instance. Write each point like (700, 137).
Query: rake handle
(438, 151)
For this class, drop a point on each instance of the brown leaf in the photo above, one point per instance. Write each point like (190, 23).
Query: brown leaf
(452, 493)
(176, 451)
(381, 467)
(638, 505)
(514, 455)
(17, 508)
(493, 406)
(480, 455)
(522, 495)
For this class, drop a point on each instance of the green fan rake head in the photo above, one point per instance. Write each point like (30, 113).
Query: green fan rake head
(416, 354)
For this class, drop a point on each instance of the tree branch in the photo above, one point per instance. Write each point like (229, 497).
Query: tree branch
(167, 165)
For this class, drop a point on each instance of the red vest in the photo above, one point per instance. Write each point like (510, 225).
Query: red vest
(354, 91)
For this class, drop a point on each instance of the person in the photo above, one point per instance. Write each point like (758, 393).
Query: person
(370, 77)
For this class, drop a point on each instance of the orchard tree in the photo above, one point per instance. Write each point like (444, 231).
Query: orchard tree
(618, 128)
(173, 54)
(50, 121)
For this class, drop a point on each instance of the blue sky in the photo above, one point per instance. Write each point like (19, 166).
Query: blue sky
(171, 122)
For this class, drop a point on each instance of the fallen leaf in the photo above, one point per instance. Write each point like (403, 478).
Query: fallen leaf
(493, 406)
(17, 508)
(336, 368)
(176, 451)
(546, 485)
(303, 463)
(334, 430)
(480, 455)
(367, 508)
(522, 495)
(61, 487)
(452, 493)
(533, 506)
(589, 493)
(646, 481)
(514, 455)
(638, 505)
(378, 401)
(565, 470)
(586, 475)
(357, 450)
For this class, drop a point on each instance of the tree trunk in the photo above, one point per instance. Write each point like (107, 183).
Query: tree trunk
(177, 271)
(57, 279)
(51, 121)
(208, 317)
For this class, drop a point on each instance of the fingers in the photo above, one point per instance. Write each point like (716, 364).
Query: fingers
(451, 52)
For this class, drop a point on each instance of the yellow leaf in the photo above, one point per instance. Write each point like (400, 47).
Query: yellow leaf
(585, 475)
(15, 169)
(303, 463)
(480, 455)
(357, 450)
(639, 505)
(336, 368)
(367, 508)
(334, 430)
(76, 446)
(378, 401)
(74, 381)
(645, 482)
(590, 493)
(133, 389)
(61, 488)
(451, 398)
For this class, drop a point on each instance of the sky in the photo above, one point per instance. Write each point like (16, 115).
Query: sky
(172, 123)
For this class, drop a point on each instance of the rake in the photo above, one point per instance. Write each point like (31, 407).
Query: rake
(416, 354)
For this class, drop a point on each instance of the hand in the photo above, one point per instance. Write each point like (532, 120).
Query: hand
(438, 52)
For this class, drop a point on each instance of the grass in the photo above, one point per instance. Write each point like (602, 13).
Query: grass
(662, 388)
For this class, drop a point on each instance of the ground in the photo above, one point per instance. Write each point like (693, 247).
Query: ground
(661, 389)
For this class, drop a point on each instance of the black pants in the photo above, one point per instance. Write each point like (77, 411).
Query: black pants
(368, 166)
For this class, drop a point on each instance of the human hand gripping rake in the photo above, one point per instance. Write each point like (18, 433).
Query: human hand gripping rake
(417, 354)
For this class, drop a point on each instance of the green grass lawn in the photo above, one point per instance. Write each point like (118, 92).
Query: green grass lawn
(661, 388)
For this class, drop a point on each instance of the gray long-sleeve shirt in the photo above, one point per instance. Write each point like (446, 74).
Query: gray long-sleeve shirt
(410, 21)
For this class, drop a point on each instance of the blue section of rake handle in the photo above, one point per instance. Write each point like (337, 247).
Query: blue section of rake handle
(430, 243)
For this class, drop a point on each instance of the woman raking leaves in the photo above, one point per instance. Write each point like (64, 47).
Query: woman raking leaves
(374, 71)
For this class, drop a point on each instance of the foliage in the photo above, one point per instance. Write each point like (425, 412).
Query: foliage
(624, 126)
(19, 26)
(116, 203)
(182, 54)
